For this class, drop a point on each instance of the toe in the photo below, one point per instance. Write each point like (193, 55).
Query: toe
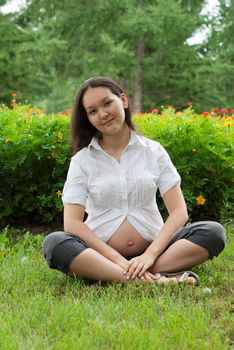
(191, 280)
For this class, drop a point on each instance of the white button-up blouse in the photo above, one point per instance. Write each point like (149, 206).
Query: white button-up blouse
(112, 191)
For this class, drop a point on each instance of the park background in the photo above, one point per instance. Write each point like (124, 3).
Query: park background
(49, 47)
(182, 94)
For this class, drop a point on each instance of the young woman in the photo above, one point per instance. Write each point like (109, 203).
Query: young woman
(114, 176)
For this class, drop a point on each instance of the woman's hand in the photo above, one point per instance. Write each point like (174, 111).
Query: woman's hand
(138, 266)
(124, 264)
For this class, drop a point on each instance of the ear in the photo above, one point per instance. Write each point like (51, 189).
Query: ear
(124, 99)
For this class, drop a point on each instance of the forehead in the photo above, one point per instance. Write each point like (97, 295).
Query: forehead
(93, 96)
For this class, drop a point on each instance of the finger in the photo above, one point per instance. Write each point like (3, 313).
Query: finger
(143, 270)
(152, 277)
(147, 277)
(131, 270)
(125, 268)
(137, 271)
(128, 265)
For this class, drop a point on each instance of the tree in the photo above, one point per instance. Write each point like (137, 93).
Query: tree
(222, 54)
(141, 43)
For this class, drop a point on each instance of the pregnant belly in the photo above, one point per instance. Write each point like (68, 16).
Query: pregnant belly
(127, 241)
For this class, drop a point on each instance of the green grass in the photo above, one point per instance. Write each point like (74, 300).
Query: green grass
(44, 309)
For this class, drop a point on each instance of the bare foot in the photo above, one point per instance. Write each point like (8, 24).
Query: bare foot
(188, 277)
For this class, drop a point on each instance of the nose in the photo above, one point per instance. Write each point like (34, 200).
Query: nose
(103, 113)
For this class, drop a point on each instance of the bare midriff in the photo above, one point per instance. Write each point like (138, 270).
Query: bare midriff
(127, 240)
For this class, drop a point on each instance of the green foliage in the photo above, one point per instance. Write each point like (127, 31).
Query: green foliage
(35, 155)
(34, 158)
(25, 59)
(202, 150)
(60, 44)
(50, 47)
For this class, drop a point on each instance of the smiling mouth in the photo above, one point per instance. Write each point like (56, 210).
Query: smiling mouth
(108, 121)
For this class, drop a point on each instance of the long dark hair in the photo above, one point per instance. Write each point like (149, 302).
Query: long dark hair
(82, 131)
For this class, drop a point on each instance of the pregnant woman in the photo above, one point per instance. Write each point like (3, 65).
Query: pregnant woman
(114, 175)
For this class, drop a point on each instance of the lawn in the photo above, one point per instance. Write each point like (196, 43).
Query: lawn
(44, 309)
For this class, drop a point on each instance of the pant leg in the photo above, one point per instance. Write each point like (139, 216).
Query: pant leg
(207, 234)
(60, 248)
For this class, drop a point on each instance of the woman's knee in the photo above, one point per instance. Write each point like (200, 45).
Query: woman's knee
(216, 236)
(60, 248)
(218, 230)
(51, 241)
(207, 234)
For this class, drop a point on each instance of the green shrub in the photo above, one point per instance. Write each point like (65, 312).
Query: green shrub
(201, 148)
(35, 156)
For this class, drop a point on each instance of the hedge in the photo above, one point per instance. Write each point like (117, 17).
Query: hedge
(35, 155)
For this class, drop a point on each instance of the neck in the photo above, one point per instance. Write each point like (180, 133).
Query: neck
(118, 141)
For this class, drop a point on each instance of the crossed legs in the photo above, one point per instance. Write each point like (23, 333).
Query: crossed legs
(192, 246)
(180, 256)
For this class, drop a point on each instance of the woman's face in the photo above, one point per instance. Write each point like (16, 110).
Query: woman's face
(105, 110)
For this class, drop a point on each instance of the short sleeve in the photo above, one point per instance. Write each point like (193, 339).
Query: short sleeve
(169, 176)
(75, 188)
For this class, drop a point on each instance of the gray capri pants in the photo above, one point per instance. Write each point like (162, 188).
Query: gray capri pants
(60, 248)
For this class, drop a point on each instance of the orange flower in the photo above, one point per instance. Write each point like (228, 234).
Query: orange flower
(170, 107)
(13, 94)
(155, 110)
(200, 200)
(189, 103)
(205, 114)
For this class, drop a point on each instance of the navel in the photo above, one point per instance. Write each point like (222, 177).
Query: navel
(130, 243)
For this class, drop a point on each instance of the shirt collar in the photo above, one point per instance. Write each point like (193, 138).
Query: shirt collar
(133, 139)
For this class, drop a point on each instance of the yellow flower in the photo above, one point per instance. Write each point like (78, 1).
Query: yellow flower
(194, 150)
(59, 193)
(200, 200)
(228, 124)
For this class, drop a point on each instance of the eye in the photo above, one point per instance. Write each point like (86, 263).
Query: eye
(108, 103)
(92, 112)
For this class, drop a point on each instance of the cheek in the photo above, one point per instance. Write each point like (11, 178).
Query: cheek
(120, 111)
(92, 121)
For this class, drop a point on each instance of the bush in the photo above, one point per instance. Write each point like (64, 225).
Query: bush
(201, 148)
(35, 156)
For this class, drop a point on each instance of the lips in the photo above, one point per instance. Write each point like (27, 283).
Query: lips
(108, 121)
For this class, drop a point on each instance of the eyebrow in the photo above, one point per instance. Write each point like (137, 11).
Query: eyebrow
(105, 98)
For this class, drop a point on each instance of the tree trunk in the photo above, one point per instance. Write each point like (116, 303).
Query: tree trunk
(137, 100)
